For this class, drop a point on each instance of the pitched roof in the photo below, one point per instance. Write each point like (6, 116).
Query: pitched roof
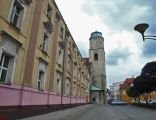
(127, 83)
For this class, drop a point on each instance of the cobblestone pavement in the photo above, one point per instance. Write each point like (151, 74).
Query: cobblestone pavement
(58, 115)
(100, 112)
(108, 112)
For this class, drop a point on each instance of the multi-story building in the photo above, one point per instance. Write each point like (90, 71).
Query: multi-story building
(40, 63)
(128, 82)
(115, 89)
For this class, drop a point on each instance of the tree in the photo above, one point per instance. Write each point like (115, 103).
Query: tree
(141, 86)
(149, 73)
(132, 92)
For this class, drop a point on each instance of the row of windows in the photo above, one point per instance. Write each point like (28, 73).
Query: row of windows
(7, 59)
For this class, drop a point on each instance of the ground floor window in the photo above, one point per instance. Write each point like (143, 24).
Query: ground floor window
(4, 67)
(8, 54)
(41, 76)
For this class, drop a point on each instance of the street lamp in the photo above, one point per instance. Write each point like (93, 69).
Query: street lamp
(141, 28)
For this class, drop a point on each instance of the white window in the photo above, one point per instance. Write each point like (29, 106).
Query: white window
(41, 76)
(45, 40)
(8, 53)
(4, 67)
(16, 15)
(49, 11)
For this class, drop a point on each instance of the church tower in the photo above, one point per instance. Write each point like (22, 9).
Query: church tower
(97, 59)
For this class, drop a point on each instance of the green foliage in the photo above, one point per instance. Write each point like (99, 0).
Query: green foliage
(145, 83)
(131, 92)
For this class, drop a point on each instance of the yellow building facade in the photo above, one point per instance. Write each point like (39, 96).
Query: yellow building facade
(40, 63)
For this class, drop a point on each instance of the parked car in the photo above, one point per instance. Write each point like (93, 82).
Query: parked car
(152, 101)
(118, 102)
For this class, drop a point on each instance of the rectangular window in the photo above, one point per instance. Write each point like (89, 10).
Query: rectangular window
(74, 90)
(68, 89)
(61, 32)
(45, 40)
(41, 76)
(16, 14)
(49, 11)
(4, 67)
(58, 86)
(60, 57)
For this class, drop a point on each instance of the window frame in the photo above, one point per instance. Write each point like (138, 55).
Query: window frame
(45, 40)
(20, 18)
(49, 11)
(60, 56)
(42, 68)
(11, 65)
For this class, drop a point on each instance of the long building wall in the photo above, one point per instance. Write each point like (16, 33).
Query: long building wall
(45, 65)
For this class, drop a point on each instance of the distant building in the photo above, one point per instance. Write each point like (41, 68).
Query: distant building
(116, 90)
(123, 87)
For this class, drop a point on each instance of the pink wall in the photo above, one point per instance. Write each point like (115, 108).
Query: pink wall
(73, 100)
(15, 95)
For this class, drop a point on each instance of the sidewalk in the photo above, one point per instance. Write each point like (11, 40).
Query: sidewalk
(59, 114)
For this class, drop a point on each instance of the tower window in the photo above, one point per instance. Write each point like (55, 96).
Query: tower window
(95, 56)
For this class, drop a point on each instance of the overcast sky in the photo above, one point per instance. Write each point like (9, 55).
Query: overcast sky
(126, 53)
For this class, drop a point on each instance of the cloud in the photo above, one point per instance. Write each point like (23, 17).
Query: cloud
(121, 14)
(118, 56)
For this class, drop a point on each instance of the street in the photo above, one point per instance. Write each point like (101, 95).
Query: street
(104, 112)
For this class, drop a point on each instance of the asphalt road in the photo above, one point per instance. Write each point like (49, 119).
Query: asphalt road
(108, 112)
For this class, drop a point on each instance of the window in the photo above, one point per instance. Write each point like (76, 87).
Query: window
(4, 67)
(49, 11)
(61, 32)
(74, 90)
(58, 82)
(75, 71)
(45, 40)
(58, 86)
(60, 57)
(41, 76)
(96, 56)
(8, 55)
(68, 89)
(16, 14)
(69, 64)
(57, 17)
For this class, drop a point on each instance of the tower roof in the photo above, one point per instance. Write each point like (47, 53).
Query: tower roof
(96, 34)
